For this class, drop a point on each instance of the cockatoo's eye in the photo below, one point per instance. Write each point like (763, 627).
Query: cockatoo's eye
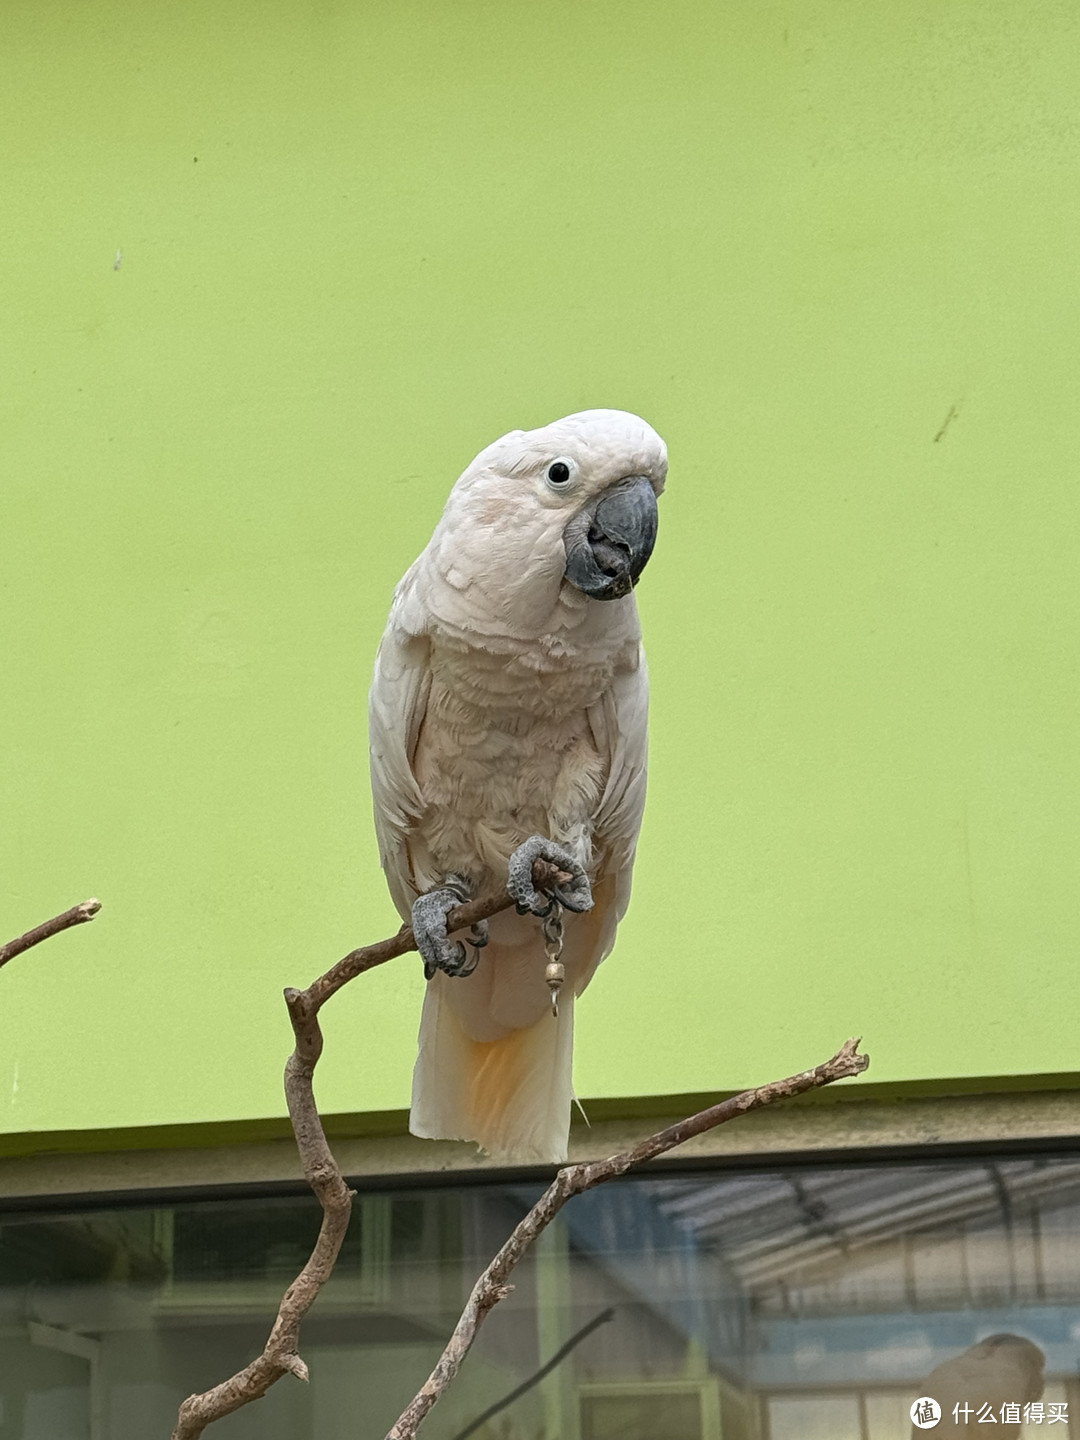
(558, 474)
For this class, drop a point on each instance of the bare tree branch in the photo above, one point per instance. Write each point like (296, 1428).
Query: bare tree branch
(280, 1354)
(573, 1180)
(77, 915)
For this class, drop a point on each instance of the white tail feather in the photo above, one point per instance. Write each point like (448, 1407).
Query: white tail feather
(494, 1065)
(510, 1094)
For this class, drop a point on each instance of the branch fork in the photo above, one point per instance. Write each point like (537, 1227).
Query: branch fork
(281, 1353)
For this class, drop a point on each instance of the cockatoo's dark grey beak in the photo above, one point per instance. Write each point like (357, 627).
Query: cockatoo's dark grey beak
(609, 542)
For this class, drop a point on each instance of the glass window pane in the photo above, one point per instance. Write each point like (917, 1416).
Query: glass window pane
(641, 1416)
(789, 1302)
(888, 1415)
(814, 1417)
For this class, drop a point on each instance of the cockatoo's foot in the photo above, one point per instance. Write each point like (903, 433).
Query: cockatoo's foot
(577, 895)
(429, 914)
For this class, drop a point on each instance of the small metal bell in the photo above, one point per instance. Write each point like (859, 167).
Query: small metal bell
(555, 974)
(555, 970)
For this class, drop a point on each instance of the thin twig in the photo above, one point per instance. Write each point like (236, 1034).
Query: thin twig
(77, 915)
(492, 1285)
(280, 1355)
(545, 1370)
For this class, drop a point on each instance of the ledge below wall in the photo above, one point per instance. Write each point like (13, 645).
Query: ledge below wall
(798, 1130)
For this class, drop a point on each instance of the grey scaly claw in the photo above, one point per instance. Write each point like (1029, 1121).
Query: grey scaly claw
(429, 914)
(577, 895)
(478, 938)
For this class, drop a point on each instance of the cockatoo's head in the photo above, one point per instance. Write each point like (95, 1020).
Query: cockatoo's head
(579, 493)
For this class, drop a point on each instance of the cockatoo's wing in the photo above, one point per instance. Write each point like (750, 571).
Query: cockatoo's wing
(397, 705)
(620, 727)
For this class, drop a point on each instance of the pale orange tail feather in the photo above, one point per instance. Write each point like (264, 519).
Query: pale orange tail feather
(510, 1095)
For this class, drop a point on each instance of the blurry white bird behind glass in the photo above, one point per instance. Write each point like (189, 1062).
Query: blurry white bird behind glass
(1000, 1370)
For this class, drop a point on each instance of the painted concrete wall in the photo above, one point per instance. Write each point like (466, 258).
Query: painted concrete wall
(271, 273)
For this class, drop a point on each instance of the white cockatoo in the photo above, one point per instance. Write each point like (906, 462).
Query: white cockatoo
(1000, 1370)
(509, 723)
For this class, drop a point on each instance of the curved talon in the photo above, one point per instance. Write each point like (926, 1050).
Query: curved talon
(450, 959)
(467, 965)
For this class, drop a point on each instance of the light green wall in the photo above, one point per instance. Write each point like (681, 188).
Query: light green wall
(358, 242)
